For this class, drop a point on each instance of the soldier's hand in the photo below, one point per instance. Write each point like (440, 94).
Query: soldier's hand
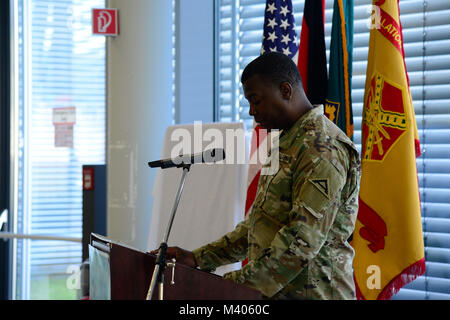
(182, 256)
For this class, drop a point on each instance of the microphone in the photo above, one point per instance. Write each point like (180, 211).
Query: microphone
(207, 156)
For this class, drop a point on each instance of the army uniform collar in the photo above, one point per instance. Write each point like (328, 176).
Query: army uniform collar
(289, 135)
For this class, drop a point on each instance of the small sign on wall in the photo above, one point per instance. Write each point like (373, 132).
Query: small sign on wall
(88, 178)
(105, 22)
(64, 120)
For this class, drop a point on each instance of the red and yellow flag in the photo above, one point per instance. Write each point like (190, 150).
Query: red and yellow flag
(388, 240)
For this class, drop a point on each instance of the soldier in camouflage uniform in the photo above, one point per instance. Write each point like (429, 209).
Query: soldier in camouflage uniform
(296, 236)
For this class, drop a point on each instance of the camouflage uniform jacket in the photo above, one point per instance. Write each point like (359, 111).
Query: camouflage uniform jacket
(296, 236)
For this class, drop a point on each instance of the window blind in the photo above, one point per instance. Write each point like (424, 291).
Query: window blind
(427, 50)
(61, 65)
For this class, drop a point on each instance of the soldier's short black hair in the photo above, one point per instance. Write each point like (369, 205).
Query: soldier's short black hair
(275, 67)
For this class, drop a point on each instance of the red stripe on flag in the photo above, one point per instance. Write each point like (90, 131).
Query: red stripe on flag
(303, 55)
(405, 277)
(390, 29)
(312, 68)
(417, 147)
(416, 140)
(303, 50)
(251, 192)
(259, 135)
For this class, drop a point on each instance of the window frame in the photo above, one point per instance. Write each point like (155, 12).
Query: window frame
(419, 19)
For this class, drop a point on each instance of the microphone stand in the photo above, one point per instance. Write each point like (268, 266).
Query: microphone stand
(160, 265)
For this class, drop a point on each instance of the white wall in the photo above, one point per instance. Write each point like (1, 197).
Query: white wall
(139, 85)
(139, 68)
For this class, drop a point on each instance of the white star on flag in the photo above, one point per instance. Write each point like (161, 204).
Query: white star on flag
(271, 8)
(272, 23)
(279, 28)
(286, 51)
(272, 36)
(284, 10)
(285, 39)
(285, 24)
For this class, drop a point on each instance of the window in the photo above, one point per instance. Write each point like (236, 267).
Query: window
(60, 65)
(427, 50)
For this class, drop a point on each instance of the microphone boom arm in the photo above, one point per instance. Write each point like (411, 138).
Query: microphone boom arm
(160, 265)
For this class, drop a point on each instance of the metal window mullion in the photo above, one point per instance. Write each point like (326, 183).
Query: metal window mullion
(217, 53)
(13, 164)
(27, 123)
(175, 66)
(11, 235)
(423, 142)
(235, 17)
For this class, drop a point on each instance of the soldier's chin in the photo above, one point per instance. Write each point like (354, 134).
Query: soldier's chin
(262, 125)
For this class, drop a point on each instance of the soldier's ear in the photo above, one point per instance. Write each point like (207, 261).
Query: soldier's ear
(286, 90)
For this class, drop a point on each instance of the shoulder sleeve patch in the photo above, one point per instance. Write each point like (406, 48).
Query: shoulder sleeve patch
(322, 185)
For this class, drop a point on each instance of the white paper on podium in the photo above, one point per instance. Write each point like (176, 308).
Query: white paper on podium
(213, 198)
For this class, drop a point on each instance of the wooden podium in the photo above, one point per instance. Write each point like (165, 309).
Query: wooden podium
(119, 272)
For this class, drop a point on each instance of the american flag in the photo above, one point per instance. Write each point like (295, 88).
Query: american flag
(279, 28)
(279, 36)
